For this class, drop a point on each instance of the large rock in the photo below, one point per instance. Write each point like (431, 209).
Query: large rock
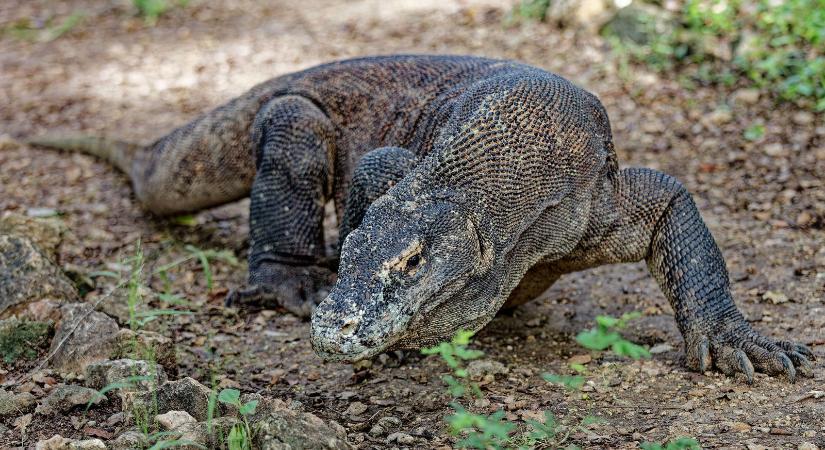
(104, 373)
(129, 440)
(65, 397)
(186, 394)
(82, 337)
(58, 442)
(277, 427)
(28, 275)
(15, 404)
(45, 233)
(174, 419)
(211, 434)
(147, 345)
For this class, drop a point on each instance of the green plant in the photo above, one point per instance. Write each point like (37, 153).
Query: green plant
(605, 335)
(142, 410)
(532, 9)
(455, 353)
(754, 132)
(151, 10)
(493, 431)
(778, 46)
(28, 30)
(483, 431)
(240, 436)
(22, 339)
(678, 444)
(571, 382)
(203, 257)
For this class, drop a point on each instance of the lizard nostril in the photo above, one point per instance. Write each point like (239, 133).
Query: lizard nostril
(349, 327)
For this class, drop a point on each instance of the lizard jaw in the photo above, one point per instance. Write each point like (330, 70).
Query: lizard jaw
(337, 333)
(332, 344)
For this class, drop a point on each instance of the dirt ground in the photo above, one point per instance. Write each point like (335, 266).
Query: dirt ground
(764, 202)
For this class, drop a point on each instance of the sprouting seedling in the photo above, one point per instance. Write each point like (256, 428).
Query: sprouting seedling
(602, 337)
(240, 436)
(605, 335)
(493, 430)
(455, 353)
(162, 444)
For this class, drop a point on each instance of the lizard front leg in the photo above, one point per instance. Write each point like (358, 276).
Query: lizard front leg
(295, 141)
(686, 262)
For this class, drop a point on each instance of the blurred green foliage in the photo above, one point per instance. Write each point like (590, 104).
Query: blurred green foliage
(530, 10)
(41, 31)
(779, 45)
(151, 10)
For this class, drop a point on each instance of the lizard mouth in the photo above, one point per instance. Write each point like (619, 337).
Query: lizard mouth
(339, 345)
(349, 336)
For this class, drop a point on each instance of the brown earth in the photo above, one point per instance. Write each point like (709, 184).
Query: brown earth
(764, 202)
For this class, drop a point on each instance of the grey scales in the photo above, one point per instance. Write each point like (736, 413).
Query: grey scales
(462, 185)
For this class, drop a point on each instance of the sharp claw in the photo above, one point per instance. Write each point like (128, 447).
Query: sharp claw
(805, 351)
(745, 365)
(790, 371)
(803, 366)
(704, 355)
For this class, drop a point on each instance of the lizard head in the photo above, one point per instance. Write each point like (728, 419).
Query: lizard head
(398, 270)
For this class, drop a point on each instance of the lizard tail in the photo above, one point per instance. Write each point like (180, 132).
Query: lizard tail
(120, 154)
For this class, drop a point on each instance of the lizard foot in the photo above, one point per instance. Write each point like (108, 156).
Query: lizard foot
(273, 285)
(743, 350)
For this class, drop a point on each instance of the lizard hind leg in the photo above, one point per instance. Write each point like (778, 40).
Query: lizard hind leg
(295, 144)
(681, 254)
(376, 172)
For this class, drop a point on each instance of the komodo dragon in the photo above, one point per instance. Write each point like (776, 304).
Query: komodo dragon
(462, 185)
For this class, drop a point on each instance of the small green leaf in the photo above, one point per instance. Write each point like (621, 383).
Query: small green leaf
(237, 439)
(755, 132)
(188, 220)
(596, 339)
(607, 321)
(229, 396)
(249, 407)
(467, 354)
(627, 348)
(462, 337)
(104, 273)
(570, 382)
(579, 368)
(588, 420)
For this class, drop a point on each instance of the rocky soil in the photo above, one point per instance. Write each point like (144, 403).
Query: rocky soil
(70, 227)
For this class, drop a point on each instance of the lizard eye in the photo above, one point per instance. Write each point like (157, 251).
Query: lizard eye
(409, 261)
(413, 262)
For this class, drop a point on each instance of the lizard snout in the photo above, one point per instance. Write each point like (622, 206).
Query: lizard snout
(350, 326)
(335, 331)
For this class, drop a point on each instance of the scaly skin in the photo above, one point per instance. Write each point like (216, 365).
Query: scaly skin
(462, 185)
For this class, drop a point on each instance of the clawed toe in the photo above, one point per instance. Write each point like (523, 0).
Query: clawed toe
(731, 361)
(256, 296)
(792, 347)
(747, 353)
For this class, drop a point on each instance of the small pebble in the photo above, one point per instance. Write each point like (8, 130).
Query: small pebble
(400, 438)
(355, 409)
